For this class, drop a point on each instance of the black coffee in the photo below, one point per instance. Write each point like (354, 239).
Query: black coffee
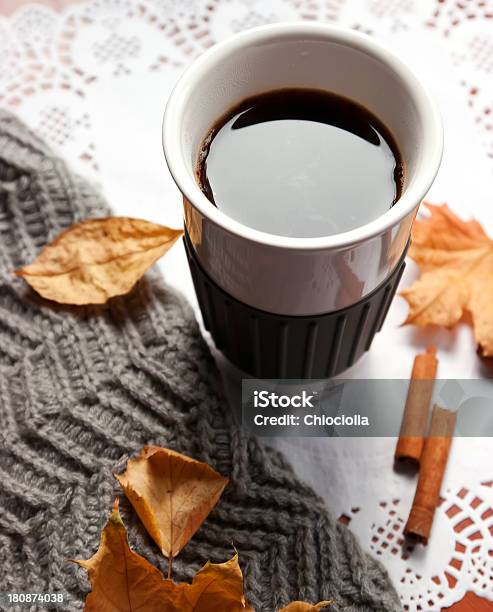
(301, 162)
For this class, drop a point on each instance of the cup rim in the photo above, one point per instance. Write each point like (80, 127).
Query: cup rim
(412, 196)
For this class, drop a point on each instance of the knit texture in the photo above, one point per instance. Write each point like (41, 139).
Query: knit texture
(83, 389)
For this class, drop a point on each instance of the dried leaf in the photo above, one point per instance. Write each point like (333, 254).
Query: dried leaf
(121, 580)
(456, 261)
(97, 259)
(300, 606)
(215, 587)
(172, 494)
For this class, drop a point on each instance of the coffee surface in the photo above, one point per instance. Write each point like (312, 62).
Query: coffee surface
(300, 162)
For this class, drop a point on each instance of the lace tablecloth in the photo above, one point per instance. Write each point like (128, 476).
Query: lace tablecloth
(93, 79)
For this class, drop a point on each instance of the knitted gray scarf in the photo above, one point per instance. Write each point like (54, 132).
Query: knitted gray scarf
(82, 389)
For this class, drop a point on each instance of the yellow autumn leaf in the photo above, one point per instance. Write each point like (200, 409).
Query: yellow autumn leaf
(97, 259)
(123, 581)
(172, 494)
(300, 606)
(456, 262)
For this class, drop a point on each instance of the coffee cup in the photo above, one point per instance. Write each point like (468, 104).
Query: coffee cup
(284, 306)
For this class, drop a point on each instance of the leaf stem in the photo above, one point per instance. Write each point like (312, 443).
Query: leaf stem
(170, 568)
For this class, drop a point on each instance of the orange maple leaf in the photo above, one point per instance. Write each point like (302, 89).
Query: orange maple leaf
(456, 262)
(123, 581)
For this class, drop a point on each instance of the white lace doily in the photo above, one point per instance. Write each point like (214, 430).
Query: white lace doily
(94, 79)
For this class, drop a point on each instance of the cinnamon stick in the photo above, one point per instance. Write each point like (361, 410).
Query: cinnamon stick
(415, 418)
(433, 463)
